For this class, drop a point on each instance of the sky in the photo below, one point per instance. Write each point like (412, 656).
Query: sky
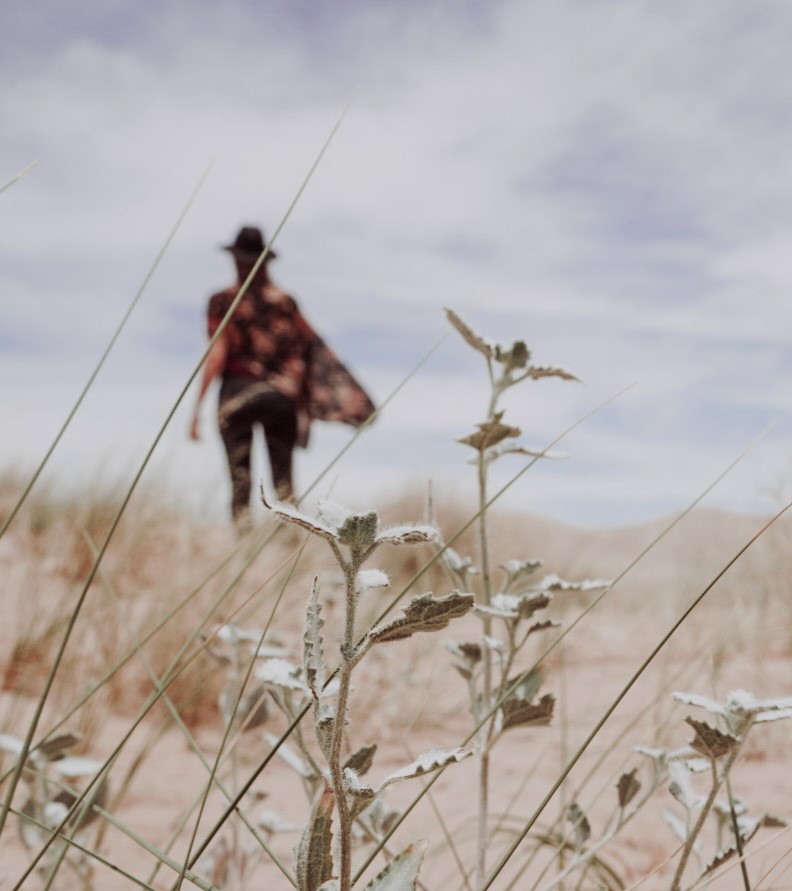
(610, 181)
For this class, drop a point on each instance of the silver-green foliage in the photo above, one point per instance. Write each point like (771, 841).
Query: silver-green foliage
(353, 538)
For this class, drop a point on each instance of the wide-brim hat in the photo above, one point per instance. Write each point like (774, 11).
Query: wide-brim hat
(249, 244)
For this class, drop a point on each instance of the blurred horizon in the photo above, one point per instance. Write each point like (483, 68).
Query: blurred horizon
(611, 183)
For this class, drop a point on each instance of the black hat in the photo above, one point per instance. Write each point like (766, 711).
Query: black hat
(249, 244)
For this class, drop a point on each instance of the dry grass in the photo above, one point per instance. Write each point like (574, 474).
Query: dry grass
(408, 697)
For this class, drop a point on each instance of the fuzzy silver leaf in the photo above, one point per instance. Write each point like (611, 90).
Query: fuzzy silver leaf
(427, 762)
(367, 579)
(359, 531)
(677, 826)
(290, 514)
(680, 786)
(401, 874)
(313, 855)
(424, 613)
(407, 533)
(280, 673)
(288, 755)
(313, 657)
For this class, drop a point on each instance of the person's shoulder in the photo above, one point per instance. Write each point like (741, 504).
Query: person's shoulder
(278, 297)
(220, 301)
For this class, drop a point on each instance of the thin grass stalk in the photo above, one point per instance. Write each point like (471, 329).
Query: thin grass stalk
(180, 724)
(737, 835)
(631, 565)
(70, 626)
(18, 176)
(93, 854)
(170, 675)
(628, 686)
(425, 568)
(103, 358)
(372, 417)
(212, 777)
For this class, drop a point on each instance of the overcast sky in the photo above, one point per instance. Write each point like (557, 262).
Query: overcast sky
(611, 181)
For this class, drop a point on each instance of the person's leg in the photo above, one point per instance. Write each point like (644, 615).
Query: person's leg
(280, 433)
(236, 432)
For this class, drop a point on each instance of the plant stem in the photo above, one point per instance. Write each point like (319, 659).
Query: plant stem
(717, 781)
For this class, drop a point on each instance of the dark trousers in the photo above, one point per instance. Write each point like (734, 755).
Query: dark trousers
(244, 403)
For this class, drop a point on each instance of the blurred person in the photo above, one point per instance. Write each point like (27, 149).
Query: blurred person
(274, 371)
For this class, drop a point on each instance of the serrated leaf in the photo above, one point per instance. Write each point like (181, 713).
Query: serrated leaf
(401, 874)
(427, 762)
(313, 856)
(479, 343)
(359, 531)
(628, 787)
(579, 822)
(424, 613)
(539, 371)
(522, 713)
(313, 657)
(362, 760)
(709, 741)
(406, 534)
(489, 434)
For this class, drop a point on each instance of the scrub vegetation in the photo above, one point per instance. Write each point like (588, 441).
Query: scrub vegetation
(429, 694)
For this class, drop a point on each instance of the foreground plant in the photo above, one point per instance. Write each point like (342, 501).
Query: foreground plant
(714, 750)
(501, 700)
(48, 772)
(344, 796)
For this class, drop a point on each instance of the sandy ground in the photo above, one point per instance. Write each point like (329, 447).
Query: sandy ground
(407, 699)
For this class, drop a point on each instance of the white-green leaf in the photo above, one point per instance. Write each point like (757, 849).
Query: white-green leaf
(290, 514)
(680, 785)
(407, 533)
(288, 755)
(677, 826)
(76, 766)
(553, 582)
(427, 762)
(401, 874)
(313, 658)
(280, 673)
(367, 579)
(699, 701)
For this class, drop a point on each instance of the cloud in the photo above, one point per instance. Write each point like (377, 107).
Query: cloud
(610, 181)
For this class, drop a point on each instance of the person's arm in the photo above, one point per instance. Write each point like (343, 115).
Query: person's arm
(213, 367)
